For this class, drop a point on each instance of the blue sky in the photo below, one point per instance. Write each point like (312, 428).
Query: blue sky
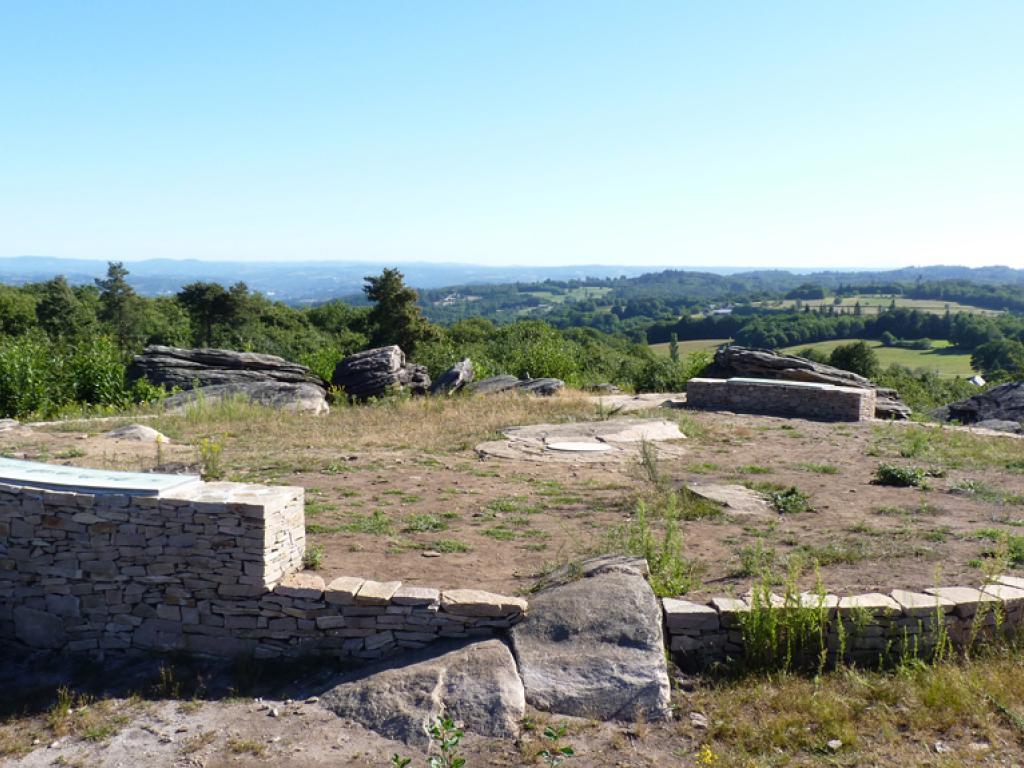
(802, 134)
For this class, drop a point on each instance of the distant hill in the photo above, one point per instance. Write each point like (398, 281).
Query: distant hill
(307, 282)
(295, 282)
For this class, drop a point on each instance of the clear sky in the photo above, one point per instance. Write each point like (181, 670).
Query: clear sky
(803, 134)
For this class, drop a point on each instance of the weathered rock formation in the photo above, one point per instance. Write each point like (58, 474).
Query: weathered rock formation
(303, 398)
(476, 684)
(593, 646)
(764, 364)
(495, 384)
(191, 368)
(214, 374)
(376, 372)
(454, 379)
(1004, 404)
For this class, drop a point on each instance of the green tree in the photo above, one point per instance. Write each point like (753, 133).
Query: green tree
(60, 313)
(857, 357)
(1001, 356)
(673, 347)
(395, 318)
(17, 311)
(120, 306)
(207, 305)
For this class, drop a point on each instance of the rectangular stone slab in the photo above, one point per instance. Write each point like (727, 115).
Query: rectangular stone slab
(51, 477)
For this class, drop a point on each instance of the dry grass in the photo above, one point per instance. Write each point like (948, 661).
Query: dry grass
(880, 718)
(250, 434)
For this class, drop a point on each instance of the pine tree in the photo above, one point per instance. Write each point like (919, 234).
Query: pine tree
(395, 318)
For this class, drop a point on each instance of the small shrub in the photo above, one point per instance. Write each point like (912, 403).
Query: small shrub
(450, 546)
(556, 753)
(901, 477)
(789, 501)
(313, 558)
(209, 459)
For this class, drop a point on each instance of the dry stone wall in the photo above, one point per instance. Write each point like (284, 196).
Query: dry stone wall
(782, 398)
(210, 568)
(865, 629)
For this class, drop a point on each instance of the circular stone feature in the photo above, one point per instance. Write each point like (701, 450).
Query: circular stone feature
(579, 447)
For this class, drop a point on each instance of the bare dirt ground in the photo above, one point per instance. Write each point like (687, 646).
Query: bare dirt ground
(396, 491)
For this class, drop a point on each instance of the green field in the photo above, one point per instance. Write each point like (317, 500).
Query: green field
(874, 304)
(943, 358)
(576, 294)
(689, 347)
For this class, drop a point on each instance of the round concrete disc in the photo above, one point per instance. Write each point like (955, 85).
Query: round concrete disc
(579, 447)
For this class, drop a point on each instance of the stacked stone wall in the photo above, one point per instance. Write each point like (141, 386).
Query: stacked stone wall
(211, 568)
(864, 629)
(782, 398)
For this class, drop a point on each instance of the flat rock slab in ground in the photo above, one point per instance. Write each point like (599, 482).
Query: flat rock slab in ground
(621, 439)
(593, 647)
(623, 403)
(138, 432)
(476, 684)
(735, 498)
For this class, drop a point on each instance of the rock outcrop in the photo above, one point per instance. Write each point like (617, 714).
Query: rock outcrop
(1004, 403)
(191, 368)
(303, 398)
(376, 372)
(476, 684)
(544, 386)
(454, 379)
(214, 374)
(764, 364)
(593, 646)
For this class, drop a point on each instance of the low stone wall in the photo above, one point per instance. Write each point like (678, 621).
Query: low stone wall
(864, 629)
(782, 398)
(210, 568)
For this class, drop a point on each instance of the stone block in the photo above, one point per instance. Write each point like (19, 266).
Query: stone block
(967, 599)
(38, 629)
(343, 590)
(1011, 581)
(477, 603)
(873, 603)
(305, 586)
(684, 617)
(407, 595)
(921, 604)
(377, 592)
(1012, 597)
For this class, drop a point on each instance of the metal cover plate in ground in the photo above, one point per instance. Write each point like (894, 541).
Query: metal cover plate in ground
(579, 447)
(52, 477)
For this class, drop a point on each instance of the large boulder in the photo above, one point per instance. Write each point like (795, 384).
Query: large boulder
(302, 397)
(593, 646)
(1004, 403)
(476, 684)
(454, 379)
(505, 383)
(747, 362)
(190, 368)
(377, 372)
